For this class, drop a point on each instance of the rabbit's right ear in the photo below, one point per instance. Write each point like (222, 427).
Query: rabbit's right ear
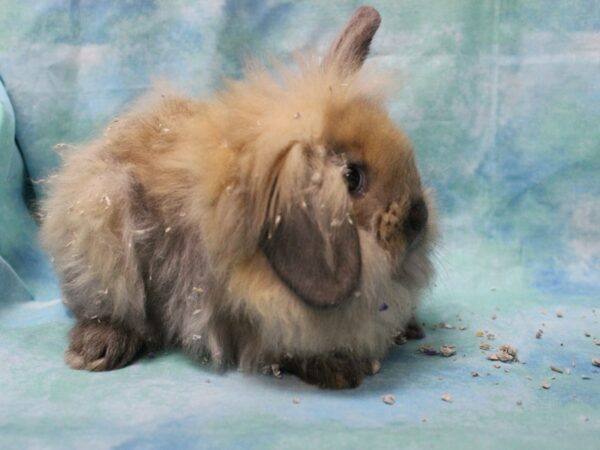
(351, 47)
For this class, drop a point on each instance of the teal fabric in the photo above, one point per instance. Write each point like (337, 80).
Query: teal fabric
(24, 270)
(501, 100)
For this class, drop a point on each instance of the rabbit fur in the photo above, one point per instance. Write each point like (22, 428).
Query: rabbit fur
(226, 226)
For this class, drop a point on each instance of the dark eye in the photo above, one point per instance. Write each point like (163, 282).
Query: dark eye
(355, 179)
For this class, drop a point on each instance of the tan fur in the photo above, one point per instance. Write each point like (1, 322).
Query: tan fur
(157, 225)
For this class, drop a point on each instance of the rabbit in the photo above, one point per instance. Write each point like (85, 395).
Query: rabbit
(281, 225)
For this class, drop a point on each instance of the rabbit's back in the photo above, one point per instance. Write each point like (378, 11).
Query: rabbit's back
(103, 230)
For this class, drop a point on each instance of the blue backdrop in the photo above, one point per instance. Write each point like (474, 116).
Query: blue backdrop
(502, 102)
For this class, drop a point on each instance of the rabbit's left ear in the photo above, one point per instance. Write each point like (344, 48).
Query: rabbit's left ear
(351, 47)
(317, 258)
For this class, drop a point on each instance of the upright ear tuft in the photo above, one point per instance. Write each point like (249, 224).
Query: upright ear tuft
(351, 47)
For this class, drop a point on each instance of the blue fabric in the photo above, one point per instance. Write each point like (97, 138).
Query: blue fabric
(24, 270)
(501, 100)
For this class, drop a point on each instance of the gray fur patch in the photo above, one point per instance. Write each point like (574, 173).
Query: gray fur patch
(321, 266)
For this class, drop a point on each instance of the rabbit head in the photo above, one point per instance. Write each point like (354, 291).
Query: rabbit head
(313, 164)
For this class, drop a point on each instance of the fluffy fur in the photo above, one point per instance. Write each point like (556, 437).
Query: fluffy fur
(165, 229)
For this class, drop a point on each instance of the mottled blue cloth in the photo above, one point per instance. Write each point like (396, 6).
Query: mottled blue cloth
(501, 100)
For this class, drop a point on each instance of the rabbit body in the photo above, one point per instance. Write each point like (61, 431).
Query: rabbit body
(228, 228)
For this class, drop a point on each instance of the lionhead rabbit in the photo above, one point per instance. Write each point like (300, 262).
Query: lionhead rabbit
(281, 223)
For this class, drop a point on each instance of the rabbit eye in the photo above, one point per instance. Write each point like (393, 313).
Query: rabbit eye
(354, 176)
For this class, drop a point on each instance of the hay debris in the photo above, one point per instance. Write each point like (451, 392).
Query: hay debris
(388, 399)
(505, 354)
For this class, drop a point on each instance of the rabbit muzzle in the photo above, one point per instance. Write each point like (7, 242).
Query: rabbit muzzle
(401, 226)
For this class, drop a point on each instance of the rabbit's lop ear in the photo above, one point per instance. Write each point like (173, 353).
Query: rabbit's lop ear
(315, 255)
(309, 237)
(351, 47)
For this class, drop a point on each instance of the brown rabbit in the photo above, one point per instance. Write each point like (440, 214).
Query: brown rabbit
(281, 224)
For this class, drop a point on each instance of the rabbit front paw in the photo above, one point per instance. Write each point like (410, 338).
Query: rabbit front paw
(96, 345)
(336, 370)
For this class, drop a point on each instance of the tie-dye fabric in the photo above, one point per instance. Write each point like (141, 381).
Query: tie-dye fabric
(501, 100)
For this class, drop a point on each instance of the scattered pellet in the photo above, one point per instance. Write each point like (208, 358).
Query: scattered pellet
(462, 328)
(296, 401)
(428, 350)
(474, 374)
(296, 115)
(587, 334)
(447, 398)
(494, 317)
(519, 403)
(497, 366)
(491, 336)
(479, 333)
(448, 350)
(539, 334)
(556, 369)
(528, 377)
(596, 362)
(196, 311)
(597, 342)
(484, 346)
(546, 385)
(167, 230)
(585, 377)
(196, 337)
(559, 314)
(506, 353)
(389, 399)
(375, 366)
(383, 307)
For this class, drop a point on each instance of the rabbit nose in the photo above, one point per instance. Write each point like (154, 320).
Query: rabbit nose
(416, 219)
